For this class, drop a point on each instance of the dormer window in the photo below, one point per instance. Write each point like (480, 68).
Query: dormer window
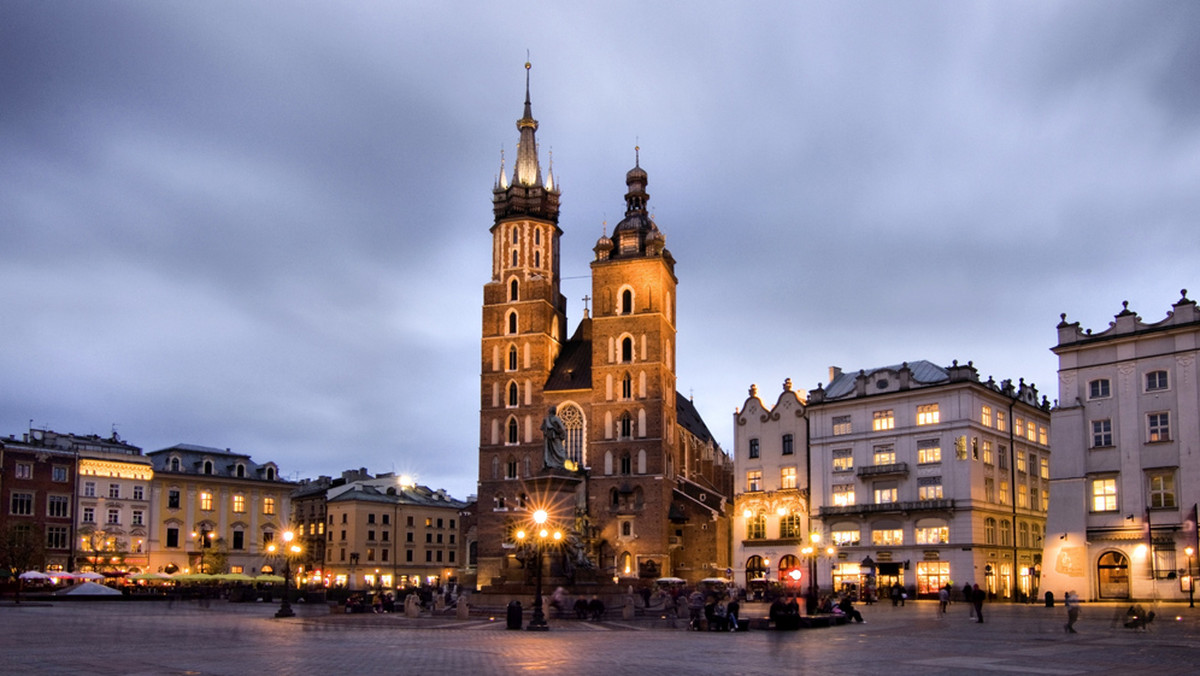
(241, 470)
(208, 467)
(174, 464)
(270, 473)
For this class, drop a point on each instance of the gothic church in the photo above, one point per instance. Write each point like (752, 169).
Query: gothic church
(646, 488)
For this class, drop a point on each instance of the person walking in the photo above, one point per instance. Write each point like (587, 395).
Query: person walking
(968, 595)
(1071, 601)
(943, 601)
(977, 597)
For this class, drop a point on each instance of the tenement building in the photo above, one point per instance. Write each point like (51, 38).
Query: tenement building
(215, 511)
(924, 475)
(589, 426)
(772, 533)
(1126, 475)
(387, 531)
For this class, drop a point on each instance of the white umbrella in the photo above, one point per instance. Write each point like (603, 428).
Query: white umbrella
(34, 575)
(89, 576)
(89, 589)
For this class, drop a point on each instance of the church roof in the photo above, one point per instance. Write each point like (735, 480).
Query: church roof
(573, 368)
(689, 418)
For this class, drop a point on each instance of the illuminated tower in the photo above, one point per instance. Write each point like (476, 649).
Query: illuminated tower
(524, 319)
(632, 437)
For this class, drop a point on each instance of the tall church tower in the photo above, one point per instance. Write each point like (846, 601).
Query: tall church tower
(524, 321)
(632, 440)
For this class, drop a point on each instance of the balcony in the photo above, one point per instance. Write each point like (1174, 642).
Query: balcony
(872, 471)
(890, 507)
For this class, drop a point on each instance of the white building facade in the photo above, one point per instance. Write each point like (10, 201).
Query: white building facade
(925, 476)
(771, 525)
(1126, 474)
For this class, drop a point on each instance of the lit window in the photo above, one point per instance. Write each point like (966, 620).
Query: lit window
(206, 501)
(1021, 462)
(754, 480)
(1005, 497)
(1043, 435)
(239, 504)
(841, 425)
(885, 455)
(789, 526)
(936, 535)
(989, 489)
(787, 477)
(1031, 430)
(929, 451)
(985, 416)
(1045, 467)
(1001, 421)
(268, 505)
(1162, 490)
(1104, 495)
(843, 460)
(989, 457)
(1099, 389)
(1159, 425)
(846, 538)
(989, 531)
(929, 488)
(843, 495)
(756, 526)
(883, 420)
(927, 414)
(885, 494)
(1005, 533)
(887, 537)
(1022, 496)
(1156, 380)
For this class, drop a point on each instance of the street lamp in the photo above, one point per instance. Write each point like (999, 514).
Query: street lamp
(1191, 553)
(287, 551)
(204, 539)
(542, 535)
(811, 551)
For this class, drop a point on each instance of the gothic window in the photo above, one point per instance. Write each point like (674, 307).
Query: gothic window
(627, 387)
(512, 430)
(626, 464)
(514, 234)
(512, 290)
(627, 349)
(626, 426)
(513, 394)
(512, 322)
(537, 259)
(626, 302)
(572, 418)
(537, 236)
(614, 498)
(512, 358)
(514, 258)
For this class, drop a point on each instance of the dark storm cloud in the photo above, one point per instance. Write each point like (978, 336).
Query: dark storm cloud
(265, 226)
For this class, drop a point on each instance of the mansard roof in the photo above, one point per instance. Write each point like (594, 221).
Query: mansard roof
(386, 488)
(225, 462)
(923, 373)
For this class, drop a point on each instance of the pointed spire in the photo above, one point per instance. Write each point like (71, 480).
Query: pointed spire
(527, 171)
(550, 171)
(503, 182)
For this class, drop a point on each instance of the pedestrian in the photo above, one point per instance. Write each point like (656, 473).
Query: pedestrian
(977, 597)
(895, 594)
(1071, 601)
(943, 600)
(847, 608)
(968, 594)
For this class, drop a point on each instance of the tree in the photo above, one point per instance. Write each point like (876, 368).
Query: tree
(22, 548)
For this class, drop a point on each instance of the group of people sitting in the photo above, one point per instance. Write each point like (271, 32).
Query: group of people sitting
(785, 613)
(713, 612)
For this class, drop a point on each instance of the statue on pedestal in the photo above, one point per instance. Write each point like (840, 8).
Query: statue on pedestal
(555, 433)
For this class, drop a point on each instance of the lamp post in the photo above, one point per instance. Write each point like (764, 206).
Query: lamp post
(204, 538)
(1191, 553)
(541, 534)
(810, 603)
(289, 549)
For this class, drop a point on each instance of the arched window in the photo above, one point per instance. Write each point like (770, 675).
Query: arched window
(626, 566)
(989, 531)
(512, 322)
(513, 394)
(537, 259)
(512, 430)
(270, 474)
(241, 470)
(614, 498)
(756, 526)
(572, 418)
(786, 564)
(514, 258)
(537, 236)
(755, 568)
(627, 302)
(174, 464)
(512, 358)
(626, 528)
(512, 290)
(208, 467)
(627, 386)
(1005, 533)
(626, 426)
(1023, 534)
(626, 464)
(627, 349)
(514, 234)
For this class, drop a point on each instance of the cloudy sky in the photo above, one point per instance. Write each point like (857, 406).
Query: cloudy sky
(264, 225)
